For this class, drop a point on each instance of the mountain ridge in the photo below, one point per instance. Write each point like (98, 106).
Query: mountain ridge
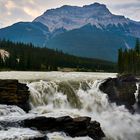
(86, 31)
(72, 17)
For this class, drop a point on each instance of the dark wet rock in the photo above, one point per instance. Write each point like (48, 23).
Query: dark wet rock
(139, 99)
(14, 93)
(74, 127)
(139, 96)
(39, 138)
(121, 90)
(40, 123)
(128, 78)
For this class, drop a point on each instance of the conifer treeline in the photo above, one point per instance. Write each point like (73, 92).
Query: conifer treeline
(28, 57)
(129, 60)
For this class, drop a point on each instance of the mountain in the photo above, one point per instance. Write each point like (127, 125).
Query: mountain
(88, 31)
(26, 32)
(73, 17)
(90, 41)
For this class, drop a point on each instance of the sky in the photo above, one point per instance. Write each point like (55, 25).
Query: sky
(12, 11)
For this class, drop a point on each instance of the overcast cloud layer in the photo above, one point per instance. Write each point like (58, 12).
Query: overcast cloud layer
(12, 11)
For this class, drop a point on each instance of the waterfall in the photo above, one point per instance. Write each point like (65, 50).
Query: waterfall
(50, 98)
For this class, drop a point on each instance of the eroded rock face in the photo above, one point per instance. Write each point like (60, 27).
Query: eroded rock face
(121, 90)
(14, 93)
(82, 126)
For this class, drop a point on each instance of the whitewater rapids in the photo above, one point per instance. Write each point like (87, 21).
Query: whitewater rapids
(73, 94)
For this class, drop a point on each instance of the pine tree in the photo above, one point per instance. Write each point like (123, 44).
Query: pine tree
(28, 57)
(129, 60)
(137, 46)
(120, 66)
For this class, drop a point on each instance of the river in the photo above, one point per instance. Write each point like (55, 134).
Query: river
(74, 94)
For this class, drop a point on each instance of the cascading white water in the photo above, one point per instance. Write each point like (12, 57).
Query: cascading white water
(67, 97)
(48, 99)
(6, 110)
(10, 114)
(18, 134)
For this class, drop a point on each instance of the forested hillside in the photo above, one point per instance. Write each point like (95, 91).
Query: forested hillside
(129, 60)
(28, 57)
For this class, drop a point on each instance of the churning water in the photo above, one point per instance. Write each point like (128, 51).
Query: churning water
(75, 98)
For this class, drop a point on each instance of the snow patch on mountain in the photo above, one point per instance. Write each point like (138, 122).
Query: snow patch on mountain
(127, 45)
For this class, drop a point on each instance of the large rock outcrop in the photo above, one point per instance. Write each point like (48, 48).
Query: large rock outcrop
(74, 127)
(14, 93)
(121, 90)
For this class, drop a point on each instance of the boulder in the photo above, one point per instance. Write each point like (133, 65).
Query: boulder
(39, 138)
(14, 93)
(121, 90)
(74, 127)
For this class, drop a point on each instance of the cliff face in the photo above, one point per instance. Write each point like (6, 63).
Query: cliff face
(14, 93)
(121, 90)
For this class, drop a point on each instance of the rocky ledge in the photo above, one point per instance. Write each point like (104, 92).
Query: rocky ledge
(14, 93)
(121, 90)
(73, 127)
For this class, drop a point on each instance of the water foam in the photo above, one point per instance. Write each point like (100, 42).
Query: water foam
(116, 121)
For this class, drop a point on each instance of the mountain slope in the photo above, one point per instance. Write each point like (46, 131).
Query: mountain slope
(90, 41)
(89, 31)
(26, 32)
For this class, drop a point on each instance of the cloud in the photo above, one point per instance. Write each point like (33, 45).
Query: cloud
(12, 11)
(10, 5)
(30, 11)
(1, 24)
(130, 9)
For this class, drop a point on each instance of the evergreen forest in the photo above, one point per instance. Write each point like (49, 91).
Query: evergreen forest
(129, 60)
(27, 57)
